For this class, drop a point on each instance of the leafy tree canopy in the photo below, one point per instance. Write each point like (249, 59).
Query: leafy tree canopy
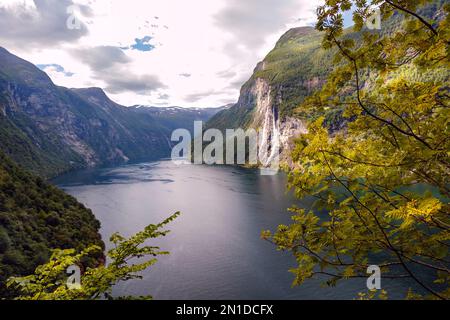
(381, 184)
(127, 258)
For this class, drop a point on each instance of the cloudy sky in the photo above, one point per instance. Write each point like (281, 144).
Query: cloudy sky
(190, 53)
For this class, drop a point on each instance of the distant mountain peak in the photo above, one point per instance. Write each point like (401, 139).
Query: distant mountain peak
(96, 95)
(20, 70)
(92, 91)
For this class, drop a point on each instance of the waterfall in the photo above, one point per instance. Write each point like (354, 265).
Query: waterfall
(273, 159)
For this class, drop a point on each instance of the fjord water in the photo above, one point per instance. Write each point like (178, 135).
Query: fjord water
(215, 247)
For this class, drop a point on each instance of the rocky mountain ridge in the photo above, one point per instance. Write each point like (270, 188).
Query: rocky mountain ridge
(294, 69)
(270, 101)
(50, 129)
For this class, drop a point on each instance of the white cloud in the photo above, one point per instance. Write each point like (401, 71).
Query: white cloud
(216, 42)
(38, 23)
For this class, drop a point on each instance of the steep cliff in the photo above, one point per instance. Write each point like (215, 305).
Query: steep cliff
(294, 69)
(270, 101)
(49, 129)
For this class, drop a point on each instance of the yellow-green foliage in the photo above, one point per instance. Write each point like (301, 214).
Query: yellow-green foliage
(127, 259)
(36, 217)
(384, 179)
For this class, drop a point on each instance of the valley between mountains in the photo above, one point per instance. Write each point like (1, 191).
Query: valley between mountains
(368, 180)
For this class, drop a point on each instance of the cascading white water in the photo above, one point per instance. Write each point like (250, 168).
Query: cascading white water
(274, 135)
(273, 159)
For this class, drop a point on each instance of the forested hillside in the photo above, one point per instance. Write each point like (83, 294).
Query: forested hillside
(382, 181)
(296, 69)
(36, 217)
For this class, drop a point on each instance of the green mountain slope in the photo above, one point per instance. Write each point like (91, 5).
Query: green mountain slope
(295, 68)
(49, 129)
(36, 217)
(271, 100)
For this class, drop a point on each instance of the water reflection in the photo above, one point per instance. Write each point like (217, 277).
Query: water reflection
(216, 250)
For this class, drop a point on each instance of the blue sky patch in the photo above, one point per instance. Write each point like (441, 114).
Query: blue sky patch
(57, 67)
(143, 44)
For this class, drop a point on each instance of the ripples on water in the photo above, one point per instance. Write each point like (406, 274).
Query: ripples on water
(216, 250)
